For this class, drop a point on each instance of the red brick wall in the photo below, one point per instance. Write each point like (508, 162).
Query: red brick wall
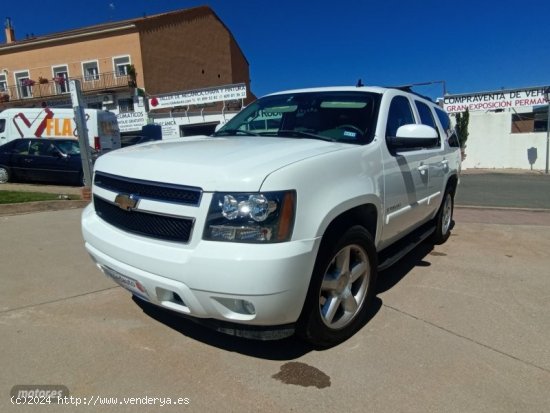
(190, 51)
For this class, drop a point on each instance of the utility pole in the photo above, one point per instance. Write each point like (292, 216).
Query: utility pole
(83, 141)
(547, 97)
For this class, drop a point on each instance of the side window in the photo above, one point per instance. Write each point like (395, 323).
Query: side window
(453, 141)
(34, 148)
(90, 71)
(427, 118)
(2, 125)
(49, 150)
(121, 64)
(446, 123)
(42, 148)
(21, 147)
(126, 105)
(400, 114)
(3, 83)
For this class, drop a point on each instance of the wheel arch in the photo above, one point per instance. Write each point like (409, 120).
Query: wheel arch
(365, 215)
(452, 184)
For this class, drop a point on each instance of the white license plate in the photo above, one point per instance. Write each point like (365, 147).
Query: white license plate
(126, 282)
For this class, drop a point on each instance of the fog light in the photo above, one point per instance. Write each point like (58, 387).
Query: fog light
(237, 306)
(248, 307)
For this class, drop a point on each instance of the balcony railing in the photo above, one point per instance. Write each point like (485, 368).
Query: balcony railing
(60, 86)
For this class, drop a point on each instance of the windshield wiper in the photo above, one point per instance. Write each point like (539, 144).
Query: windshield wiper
(288, 133)
(234, 132)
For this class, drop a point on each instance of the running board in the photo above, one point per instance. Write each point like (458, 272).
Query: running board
(394, 253)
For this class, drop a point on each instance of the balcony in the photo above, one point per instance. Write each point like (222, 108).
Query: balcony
(59, 87)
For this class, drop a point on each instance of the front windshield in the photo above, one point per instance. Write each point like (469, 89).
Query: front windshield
(334, 116)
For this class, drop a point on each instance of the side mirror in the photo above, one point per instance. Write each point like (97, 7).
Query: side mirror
(415, 136)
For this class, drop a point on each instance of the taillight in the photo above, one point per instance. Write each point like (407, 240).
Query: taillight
(97, 143)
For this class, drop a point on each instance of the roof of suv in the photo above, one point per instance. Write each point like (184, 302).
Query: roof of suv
(375, 89)
(372, 89)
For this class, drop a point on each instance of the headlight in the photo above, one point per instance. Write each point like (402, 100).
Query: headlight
(251, 217)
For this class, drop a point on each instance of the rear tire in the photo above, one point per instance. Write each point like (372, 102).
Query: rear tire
(341, 288)
(4, 175)
(444, 219)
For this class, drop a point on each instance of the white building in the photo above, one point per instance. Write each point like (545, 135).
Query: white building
(507, 128)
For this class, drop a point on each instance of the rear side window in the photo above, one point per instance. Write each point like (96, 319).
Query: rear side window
(445, 121)
(2, 125)
(452, 138)
(400, 114)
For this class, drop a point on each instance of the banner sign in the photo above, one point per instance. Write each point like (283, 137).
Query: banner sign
(170, 128)
(199, 96)
(495, 100)
(131, 121)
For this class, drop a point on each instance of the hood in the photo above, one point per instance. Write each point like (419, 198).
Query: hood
(236, 163)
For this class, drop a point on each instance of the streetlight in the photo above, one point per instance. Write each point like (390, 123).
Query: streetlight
(547, 97)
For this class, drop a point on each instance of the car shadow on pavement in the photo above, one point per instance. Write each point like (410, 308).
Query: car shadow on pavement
(289, 348)
(284, 349)
(390, 277)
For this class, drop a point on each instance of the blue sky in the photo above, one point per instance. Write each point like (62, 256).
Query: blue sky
(472, 45)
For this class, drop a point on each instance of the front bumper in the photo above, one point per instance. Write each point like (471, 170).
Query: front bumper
(258, 285)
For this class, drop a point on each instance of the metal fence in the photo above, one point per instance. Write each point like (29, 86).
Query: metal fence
(45, 88)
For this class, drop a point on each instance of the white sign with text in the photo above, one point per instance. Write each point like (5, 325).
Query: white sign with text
(494, 100)
(198, 97)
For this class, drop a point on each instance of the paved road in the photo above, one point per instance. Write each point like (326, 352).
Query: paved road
(489, 189)
(504, 190)
(461, 327)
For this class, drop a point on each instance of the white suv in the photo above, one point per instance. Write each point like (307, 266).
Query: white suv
(281, 219)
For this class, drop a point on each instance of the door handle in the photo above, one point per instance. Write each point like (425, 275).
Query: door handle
(422, 169)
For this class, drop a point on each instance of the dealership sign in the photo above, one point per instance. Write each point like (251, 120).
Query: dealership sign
(495, 100)
(198, 97)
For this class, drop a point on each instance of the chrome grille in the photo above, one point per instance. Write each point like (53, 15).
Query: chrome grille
(163, 227)
(149, 189)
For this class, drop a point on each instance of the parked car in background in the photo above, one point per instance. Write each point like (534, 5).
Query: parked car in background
(103, 130)
(42, 160)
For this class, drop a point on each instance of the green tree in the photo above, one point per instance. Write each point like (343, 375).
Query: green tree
(462, 120)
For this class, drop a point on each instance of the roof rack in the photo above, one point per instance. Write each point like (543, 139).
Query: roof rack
(408, 88)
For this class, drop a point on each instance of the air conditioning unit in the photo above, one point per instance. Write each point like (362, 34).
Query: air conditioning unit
(108, 100)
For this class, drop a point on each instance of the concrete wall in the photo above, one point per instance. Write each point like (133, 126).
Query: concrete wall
(492, 145)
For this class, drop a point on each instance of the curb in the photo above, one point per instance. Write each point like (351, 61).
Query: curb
(510, 209)
(40, 206)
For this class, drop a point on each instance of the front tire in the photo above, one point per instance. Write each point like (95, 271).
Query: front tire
(341, 288)
(4, 175)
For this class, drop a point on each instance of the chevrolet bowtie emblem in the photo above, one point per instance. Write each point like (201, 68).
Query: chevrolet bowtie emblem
(126, 202)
